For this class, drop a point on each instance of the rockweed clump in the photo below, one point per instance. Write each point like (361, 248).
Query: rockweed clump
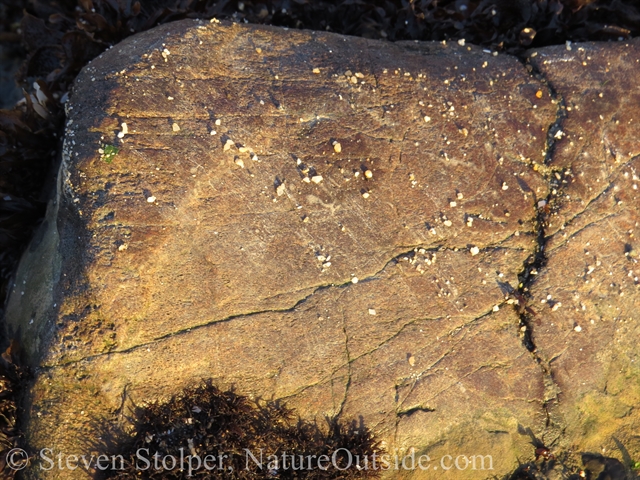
(219, 434)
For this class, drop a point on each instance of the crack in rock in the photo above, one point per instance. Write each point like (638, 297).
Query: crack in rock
(439, 225)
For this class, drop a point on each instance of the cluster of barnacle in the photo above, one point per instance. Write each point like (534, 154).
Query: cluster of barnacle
(308, 173)
(419, 258)
(208, 421)
(354, 77)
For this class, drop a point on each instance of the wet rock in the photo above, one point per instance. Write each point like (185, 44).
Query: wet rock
(333, 222)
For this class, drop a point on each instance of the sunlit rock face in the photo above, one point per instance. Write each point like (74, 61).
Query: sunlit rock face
(425, 237)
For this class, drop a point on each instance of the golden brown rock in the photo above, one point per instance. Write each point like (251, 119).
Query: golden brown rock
(587, 294)
(331, 221)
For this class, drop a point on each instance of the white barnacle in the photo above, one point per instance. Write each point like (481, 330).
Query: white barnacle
(124, 131)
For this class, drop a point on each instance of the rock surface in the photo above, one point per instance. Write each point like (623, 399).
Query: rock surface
(587, 293)
(341, 223)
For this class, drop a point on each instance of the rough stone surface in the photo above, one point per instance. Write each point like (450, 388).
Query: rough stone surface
(348, 240)
(587, 294)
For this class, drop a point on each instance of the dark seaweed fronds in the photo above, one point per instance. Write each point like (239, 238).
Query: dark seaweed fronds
(260, 440)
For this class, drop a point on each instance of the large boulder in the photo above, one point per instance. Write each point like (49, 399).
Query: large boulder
(390, 232)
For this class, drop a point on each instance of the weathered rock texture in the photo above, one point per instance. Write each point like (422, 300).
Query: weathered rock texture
(341, 223)
(590, 329)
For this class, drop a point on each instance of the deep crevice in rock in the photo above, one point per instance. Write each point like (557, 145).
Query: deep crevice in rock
(545, 208)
